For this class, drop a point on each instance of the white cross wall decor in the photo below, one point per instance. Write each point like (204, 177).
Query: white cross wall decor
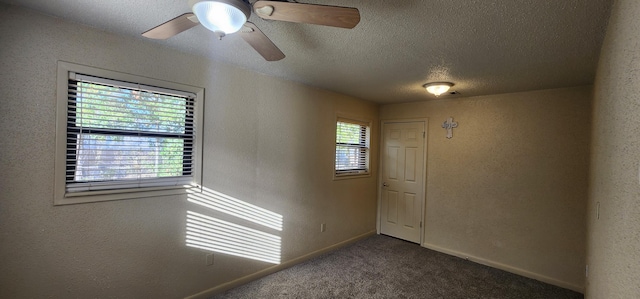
(449, 124)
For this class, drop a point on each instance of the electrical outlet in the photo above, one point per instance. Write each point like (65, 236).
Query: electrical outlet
(323, 227)
(209, 259)
(586, 271)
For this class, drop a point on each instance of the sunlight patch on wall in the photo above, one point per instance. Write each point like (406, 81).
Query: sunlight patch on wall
(235, 207)
(216, 235)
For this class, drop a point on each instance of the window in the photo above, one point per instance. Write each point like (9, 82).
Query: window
(124, 138)
(352, 147)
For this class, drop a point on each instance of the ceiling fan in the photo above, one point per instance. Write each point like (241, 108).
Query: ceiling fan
(230, 16)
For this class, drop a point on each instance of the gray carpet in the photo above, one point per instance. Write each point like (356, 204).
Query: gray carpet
(385, 267)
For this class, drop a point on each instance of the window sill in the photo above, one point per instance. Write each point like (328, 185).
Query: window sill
(109, 195)
(346, 176)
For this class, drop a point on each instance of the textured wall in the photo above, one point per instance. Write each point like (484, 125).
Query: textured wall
(510, 188)
(614, 238)
(268, 142)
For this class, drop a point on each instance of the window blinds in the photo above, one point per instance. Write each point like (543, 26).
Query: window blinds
(124, 135)
(352, 147)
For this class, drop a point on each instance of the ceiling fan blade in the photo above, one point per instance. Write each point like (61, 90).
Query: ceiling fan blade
(335, 16)
(172, 27)
(260, 42)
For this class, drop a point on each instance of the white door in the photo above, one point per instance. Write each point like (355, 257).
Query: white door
(402, 190)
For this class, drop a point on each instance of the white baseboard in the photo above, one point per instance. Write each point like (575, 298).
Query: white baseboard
(262, 273)
(514, 270)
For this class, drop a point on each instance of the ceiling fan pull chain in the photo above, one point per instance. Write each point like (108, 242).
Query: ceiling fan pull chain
(219, 34)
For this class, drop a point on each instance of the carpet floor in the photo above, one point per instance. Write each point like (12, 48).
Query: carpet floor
(385, 267)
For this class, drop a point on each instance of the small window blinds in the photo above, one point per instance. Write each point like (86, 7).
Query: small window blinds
(122, 135)
(352, 147)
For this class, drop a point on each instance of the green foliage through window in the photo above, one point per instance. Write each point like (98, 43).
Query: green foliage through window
(352, 148)
(116, 133)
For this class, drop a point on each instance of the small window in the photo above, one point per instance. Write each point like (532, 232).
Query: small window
(124, 138)
(352, 147)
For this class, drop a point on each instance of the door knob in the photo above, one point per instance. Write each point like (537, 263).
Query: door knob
(385, 184)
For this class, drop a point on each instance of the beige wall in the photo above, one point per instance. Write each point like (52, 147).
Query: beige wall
(510, 188)
(267, 142)
(614, 238)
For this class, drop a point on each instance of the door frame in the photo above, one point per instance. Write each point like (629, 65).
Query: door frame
(424, 170)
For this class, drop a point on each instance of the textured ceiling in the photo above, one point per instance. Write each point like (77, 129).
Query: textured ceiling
(483, 46)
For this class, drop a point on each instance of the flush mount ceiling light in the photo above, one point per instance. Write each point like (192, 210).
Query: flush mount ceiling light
(221, 16)
(438, 88)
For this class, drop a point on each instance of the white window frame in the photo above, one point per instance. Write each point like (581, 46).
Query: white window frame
(339, 175)
(62, 196)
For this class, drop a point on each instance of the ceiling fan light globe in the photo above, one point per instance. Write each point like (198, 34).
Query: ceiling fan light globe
(226, 16)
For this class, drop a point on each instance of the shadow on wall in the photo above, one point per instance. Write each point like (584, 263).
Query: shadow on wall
(208, 233)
